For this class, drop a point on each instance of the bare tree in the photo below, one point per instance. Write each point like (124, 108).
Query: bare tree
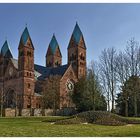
(132, 56)
(108, 73)
(51, 93)
(105, 88)
(128, 65)
(122, 74)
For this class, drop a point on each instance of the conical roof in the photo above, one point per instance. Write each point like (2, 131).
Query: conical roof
(5, 51)
(77, 34)
(25, 36)
(53, 45)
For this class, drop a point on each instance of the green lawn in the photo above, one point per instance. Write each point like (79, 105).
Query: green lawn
(33, 126)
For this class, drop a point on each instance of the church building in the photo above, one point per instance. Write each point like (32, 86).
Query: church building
(22, 81)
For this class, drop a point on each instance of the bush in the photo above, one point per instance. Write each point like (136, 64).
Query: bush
(132, 121)
(102, 117)
(95, 117)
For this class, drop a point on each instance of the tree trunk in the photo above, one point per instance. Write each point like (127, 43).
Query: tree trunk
(135, 105)
(93, 98)
(112, 99)
(54, 109)
(113, 104)
(126, 108)
(108, 105)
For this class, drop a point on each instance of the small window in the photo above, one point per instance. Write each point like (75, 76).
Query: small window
(28, 106)
(29, 86)
(82, 56)
(49, 64)
(56, 63)
(21, 53)
(72, 57)
(81, 64)
(39, 106)
(28, 53)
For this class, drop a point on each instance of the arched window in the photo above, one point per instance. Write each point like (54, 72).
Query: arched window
(29, 86)
(72, 57)
(28, 53)
(82, 56)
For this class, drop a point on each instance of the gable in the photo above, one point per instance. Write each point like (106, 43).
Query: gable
(69, 74)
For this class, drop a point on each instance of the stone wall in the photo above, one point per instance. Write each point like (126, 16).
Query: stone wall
(48, 112)
(10, 112)
(38, 112)
(26, 112)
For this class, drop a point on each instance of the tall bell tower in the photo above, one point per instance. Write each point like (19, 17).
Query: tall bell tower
(77, 52)
(26, 69)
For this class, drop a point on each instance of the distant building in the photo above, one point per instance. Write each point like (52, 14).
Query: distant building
(23, 80)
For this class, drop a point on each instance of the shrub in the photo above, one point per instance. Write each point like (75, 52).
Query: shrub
(102, 117)
(96, 117)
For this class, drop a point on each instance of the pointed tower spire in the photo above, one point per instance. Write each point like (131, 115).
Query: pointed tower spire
(25, 37)
(77, 52)
(53, 45)
(53, 55)
(77, 34)
(5, 50)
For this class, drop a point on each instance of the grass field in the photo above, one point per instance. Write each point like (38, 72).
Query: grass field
(33, 126)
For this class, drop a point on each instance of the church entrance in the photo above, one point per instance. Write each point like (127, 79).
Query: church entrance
(10, 99)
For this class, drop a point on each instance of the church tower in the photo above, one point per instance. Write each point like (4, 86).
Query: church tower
(5, 55)
(53, 55)
(77, 52)
(26, 68)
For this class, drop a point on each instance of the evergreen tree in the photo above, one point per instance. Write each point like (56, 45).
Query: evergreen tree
(128, 100)
(88, 95)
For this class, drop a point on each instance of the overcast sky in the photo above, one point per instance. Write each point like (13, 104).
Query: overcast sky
(103, 26)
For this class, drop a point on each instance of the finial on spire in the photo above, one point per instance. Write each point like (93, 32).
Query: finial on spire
(26, 25)
(53, 34)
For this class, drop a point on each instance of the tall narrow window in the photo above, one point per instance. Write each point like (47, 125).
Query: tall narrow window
(29, 86)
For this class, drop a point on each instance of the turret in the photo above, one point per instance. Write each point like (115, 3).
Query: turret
(53, 55)
(77, 52)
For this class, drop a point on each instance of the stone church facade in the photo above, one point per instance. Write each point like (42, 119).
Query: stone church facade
(22, 81)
